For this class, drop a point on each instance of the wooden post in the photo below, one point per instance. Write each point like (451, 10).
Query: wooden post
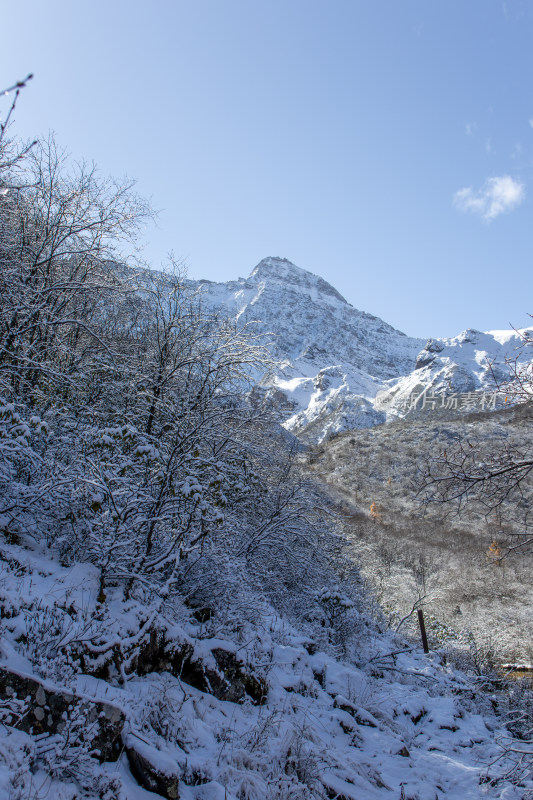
(423, 630)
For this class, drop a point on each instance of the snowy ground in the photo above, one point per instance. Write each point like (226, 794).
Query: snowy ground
(371, 725)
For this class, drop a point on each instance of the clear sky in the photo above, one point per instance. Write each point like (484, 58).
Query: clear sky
(386, 145)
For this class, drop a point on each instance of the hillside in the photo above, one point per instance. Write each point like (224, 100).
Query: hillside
(406, 547)
(244, 704)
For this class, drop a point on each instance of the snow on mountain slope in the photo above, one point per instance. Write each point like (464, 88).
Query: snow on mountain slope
(333, 359)
(312, 324)
(454, 374)
(341, 368)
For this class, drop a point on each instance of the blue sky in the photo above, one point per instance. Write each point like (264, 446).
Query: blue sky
(386, 145)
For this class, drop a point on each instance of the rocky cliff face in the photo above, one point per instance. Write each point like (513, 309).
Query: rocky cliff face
(341, 368)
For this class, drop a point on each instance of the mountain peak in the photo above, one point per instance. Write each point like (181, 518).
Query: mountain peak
(276, 269)
(274, 265)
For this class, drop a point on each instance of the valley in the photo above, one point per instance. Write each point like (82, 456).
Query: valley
(373, 407)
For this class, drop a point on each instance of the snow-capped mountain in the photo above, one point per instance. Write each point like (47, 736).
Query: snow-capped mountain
(454, 374)
(341, 368)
